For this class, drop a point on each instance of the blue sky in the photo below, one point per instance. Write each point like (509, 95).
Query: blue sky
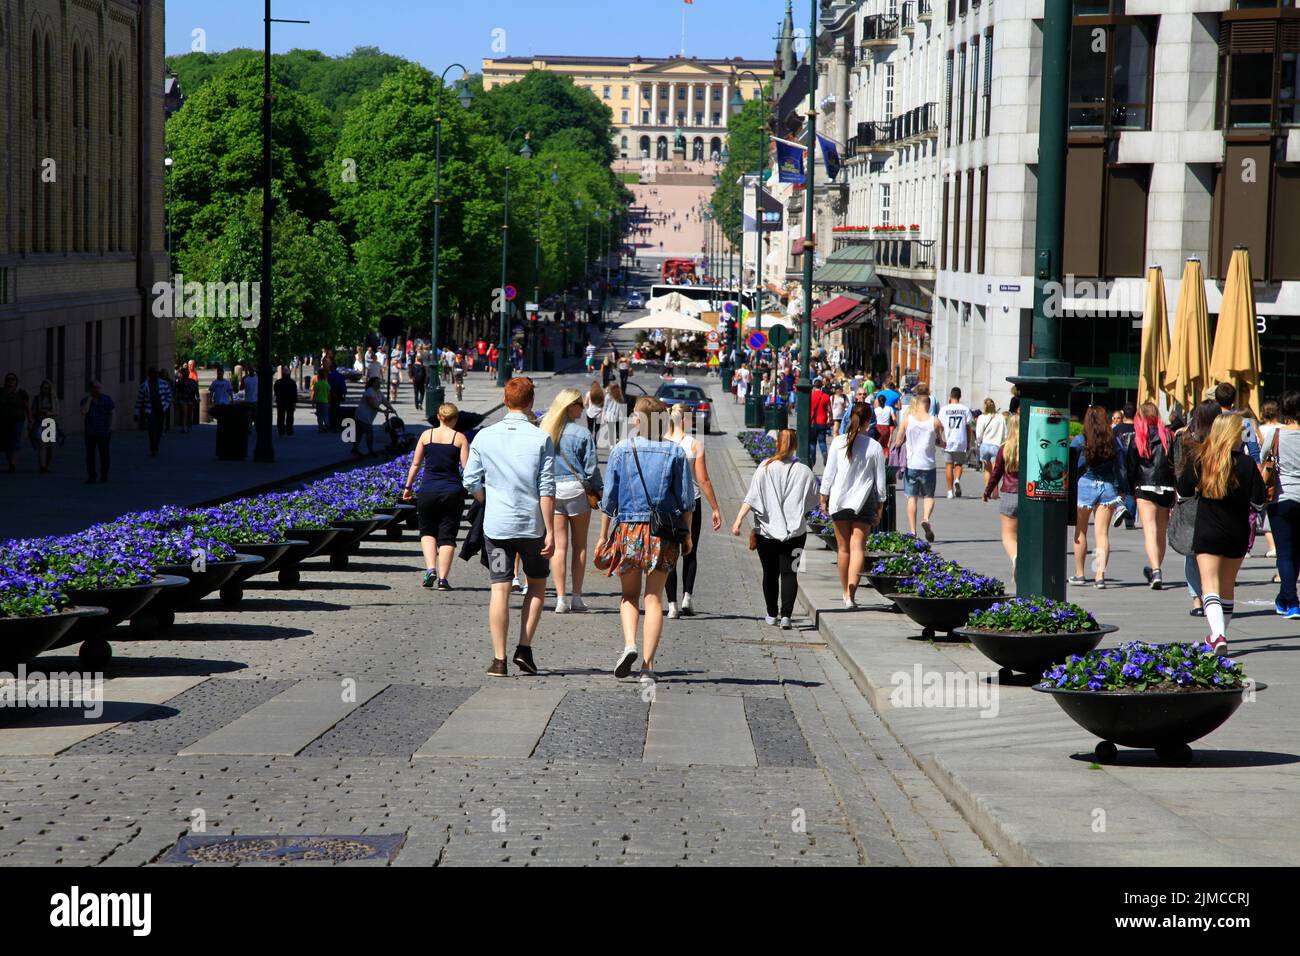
(436, 33)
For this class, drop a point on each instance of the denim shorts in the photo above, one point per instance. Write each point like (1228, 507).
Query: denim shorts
(1094, 492)
(919, 484)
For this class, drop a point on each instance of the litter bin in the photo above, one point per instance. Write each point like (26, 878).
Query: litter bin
(548, 361)
(776, 416)
(889, 517)
(205, 406)
(232, 431)
(753, 410)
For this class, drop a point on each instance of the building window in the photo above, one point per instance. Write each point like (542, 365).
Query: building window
(1258, 73)
(626, 92)
(1110, 72)
(961, 91)
(947, 112)
(974, 86)
(970, 218)
(956, 223)
(943, 233)
(604, 92)
(885, 203)
(645, 117)
(988, 79)
(1255, 211)
(625, 117)
(1105, 214)
(889, 91)
(984, 220)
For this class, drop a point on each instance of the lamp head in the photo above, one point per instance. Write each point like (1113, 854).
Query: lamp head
(466, 97)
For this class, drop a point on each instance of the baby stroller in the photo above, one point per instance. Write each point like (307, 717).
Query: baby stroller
(400, 441)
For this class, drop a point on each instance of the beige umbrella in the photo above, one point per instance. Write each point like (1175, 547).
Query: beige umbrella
(1189, 355)
(1155, 339)
(675, 302)
(1236, 340)
(665, 319)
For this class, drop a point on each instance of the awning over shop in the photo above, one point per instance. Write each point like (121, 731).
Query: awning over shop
(858, 316)
(834, 309)
(853, 266)
(909, 311)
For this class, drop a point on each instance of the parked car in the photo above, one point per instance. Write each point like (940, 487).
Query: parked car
(693, 396)
(635, 300)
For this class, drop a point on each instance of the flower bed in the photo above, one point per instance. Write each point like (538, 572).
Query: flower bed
(895, 542)
(910, 564)
(1033, 615)
(951, 581)
(1138, 667)
(758, 444)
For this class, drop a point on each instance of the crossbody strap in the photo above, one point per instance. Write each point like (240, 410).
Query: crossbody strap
(644, 487)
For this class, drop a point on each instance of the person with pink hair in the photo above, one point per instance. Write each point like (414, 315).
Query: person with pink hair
(1151, 476)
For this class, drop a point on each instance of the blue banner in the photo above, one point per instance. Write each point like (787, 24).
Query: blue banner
(789, 163)
(831, 155)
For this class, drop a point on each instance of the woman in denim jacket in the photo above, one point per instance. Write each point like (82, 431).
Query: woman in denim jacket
(630, 550)
(576, 470)
(1101, 486)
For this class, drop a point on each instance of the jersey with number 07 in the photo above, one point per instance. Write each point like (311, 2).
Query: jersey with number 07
(956, 420)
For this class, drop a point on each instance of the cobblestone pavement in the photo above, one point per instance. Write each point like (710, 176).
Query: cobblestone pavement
(823, 781)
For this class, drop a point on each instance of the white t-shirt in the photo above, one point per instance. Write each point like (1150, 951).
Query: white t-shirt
(884, 414)
(921, 440)
(691, 446)
(365, 411)
(956, 419)
(837, 408)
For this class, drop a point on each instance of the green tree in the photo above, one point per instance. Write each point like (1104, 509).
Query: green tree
(744, 145)
(550, 105)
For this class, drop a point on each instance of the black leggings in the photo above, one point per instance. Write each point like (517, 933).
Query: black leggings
(779, 563)
(688, 562)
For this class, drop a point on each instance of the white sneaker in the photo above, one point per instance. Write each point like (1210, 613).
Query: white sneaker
(785, 624)
(576, 604)
(850, 603)
(949, 492)
(561, 607)
(688, 607)
(623, 667)
(769, 620)
(673, 613)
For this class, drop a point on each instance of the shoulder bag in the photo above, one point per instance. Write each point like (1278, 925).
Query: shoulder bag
(662, 526)
(1182, 524)
(593, 493)
(1268, 468)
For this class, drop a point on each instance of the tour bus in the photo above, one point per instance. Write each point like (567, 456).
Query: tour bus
(711, 296)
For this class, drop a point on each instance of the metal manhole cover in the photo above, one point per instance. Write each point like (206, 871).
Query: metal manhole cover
(283, 849)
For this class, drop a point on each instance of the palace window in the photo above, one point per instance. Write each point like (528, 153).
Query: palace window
(1258, 73)
(1110, 70)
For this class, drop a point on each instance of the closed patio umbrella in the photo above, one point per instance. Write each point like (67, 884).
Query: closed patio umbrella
(1236, 341)
(1155, 339)
(1189, 355)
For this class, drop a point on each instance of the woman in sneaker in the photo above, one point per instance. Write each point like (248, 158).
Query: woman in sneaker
(1005, 476)
(990, 434)
(648, 489)
(678, 416)
(1150, 471)
(781, 493)
(852, 493)
(576, 470)
(440, 457)
(1100, 491)
(1284, 512)
(1228, 486)
(1186, 442)
(920, 432)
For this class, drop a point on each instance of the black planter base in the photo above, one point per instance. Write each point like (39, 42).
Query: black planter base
(945, 615)
(23, 638)
(1034, 653)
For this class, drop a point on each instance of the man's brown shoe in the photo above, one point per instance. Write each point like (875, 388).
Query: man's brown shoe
(524, 659)
(498, 669)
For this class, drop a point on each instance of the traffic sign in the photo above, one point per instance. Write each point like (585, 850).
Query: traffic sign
(510, 292)
(757, 340)
(712, 336)
(780, 336)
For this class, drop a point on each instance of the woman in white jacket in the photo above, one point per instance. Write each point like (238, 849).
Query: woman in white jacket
(781, 493)
(853, 493)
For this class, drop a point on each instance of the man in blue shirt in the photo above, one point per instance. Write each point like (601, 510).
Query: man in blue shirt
(891, 394)
(97, 427)
(1225, 393)
(511, 468)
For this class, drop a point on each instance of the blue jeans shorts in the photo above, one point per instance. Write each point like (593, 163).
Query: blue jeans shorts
(1094, 492)
(919, 484)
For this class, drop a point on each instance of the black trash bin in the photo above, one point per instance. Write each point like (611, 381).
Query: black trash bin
(775, 417)
(232, 431)
(548, 361)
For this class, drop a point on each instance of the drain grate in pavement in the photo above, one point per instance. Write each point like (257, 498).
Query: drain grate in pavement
(283, 849)
(596, 725)
(393, 723)
(778, 741)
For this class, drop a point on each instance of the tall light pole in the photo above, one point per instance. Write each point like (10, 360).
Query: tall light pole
(803, 392)
(534, 351)
(436, 394)
(264, 450)
(503, 345)
(738, 104)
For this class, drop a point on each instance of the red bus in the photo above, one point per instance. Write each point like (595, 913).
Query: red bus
(677, 271)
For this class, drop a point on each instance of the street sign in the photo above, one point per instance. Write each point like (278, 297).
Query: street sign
(510, 292)
(712, 336)
(780, 336)
(757, 340)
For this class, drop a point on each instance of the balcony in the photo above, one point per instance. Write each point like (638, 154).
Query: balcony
(907, 18)
(924, 11)
(879, 31)
(914, 125)
(870, 138)
(911, 256)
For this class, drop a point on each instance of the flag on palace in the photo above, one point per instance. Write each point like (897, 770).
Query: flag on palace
(831, 155)
(789, 161)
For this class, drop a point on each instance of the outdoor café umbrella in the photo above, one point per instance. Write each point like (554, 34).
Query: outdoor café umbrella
(666, 319)
(1155, 339)
(674, 302)
(1189, 356)
(1236, 341)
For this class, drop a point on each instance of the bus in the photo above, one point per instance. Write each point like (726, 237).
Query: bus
(710, 296)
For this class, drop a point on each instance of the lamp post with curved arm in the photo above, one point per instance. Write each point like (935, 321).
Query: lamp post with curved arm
(434, 393)
(738, 104)
(503, 345)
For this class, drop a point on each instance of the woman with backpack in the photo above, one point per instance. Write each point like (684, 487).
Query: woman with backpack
(1149, 467)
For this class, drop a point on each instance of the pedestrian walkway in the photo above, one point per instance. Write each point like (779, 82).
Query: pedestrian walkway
(1022, 772)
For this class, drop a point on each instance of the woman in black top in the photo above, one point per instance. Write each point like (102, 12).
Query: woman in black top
(1150, 467)
(1227, 484)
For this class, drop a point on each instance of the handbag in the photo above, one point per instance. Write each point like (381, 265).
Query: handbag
(1182, 524)
(662, 526)
(593, 495)
(1268, 469)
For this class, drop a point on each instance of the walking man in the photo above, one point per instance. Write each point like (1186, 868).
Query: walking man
(152, 403)
(821, 421)
(286, 401)
(511, 467)
(956, 419)
(97, 427)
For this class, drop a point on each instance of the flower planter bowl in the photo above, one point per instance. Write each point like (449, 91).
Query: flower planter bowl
(1166, 721)
(303, 544)
(119, 605)
(272, 554)
(402, 515)
(354, 530)
(1034, 653)
(213, 577)
(942, 614)
(886, 584)
(23, 638)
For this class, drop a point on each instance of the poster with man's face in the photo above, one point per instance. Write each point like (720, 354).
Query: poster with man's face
(1045, 463)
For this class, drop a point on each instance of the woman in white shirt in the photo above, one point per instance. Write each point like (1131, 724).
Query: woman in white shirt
(781, 493)
(920, 432)
(990, 433)
(593, 404)
(615, 416)
(852, 493)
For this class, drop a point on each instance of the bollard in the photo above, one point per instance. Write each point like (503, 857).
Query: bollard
(889, 518)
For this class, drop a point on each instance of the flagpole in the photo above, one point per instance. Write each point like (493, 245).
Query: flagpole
(683, 30)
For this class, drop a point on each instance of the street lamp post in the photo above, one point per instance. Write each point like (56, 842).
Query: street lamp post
(803, 392)
(435, 393)
(1044, 380)
(171, 250)
(738, 104)
(503, 345)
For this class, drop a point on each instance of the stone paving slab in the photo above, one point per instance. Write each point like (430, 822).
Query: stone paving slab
(495, 722)
(51, 730)
(695, 729)
(287, 722)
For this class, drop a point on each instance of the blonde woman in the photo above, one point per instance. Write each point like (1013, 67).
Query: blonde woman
(678, 416)
(990, 433)
(1006, 471)
(442, 453)
(920, 433)
(593, 405)
(1228, 485)
(576, 472)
